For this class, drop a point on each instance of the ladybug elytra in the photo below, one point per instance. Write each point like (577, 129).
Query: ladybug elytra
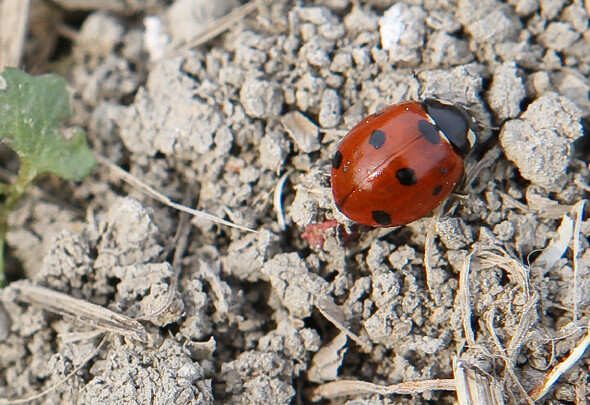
(400, 163)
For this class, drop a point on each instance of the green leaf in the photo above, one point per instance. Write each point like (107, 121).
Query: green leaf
(32, 110)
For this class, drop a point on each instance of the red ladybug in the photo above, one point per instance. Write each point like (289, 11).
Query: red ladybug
(398, 164)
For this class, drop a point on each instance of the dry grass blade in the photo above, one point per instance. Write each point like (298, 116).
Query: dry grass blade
(134, 181)
(568, 235)
(556, 247)
(92, 314)
(579, 213)
(499, 259)
(222, 24)
(343, 388)
(13, 29)
(429, 248)
(510, 265)
(277, 200)
(464, 300)
(211, 274)
(334, 314)
(326, 362)
(521, 276)
(500, 354)
(578, 351)
(33, 397)
(560, 369)
(475, 168)
(474, 387)
(527, 318)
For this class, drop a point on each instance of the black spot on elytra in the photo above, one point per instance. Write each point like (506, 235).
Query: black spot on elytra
(377, 139)
(437, 190)
(337, 160)
(429, 131)
(444, 170)
(381, 217)
(406, 176)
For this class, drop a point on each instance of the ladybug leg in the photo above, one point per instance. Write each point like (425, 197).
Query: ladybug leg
(460, 195)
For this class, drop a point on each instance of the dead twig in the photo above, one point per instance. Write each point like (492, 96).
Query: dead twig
(134, 181)
(343, 388)
(180, 243)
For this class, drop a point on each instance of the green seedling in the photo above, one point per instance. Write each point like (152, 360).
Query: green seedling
(33, 111)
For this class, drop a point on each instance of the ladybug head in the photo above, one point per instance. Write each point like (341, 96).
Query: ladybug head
(455, 122)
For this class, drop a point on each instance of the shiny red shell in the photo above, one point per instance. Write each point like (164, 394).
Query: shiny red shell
(397, 165)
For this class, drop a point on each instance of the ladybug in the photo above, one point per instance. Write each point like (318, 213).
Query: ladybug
(400, 163)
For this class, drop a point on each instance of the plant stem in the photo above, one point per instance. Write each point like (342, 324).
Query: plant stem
(15, 192)
(3, 229)
(26, 175)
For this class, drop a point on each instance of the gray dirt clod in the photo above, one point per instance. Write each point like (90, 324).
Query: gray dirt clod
(575, 86)
(525, 7)
(274, 147)
(122, 244)
(151, 282)
(376, 256)
(539, 83)
(159, 375)
(30, 242)
(330, 113)
(99, 35)
(401, 257)
(557, 112)
(506, 91)
(577, 16)
(256, 377)
(454, 233)
(293, 342)
(558, 36)
(498, 26)
(303, 132)
(104, 72)
(303, 210)
(187, 128)
(402, 29)
(246, 255)
(539, 143)
(295, 286)
(261, 98)
(386, 327)
(385, 287)
(445, 50)
(84, 262)
(551, 8)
